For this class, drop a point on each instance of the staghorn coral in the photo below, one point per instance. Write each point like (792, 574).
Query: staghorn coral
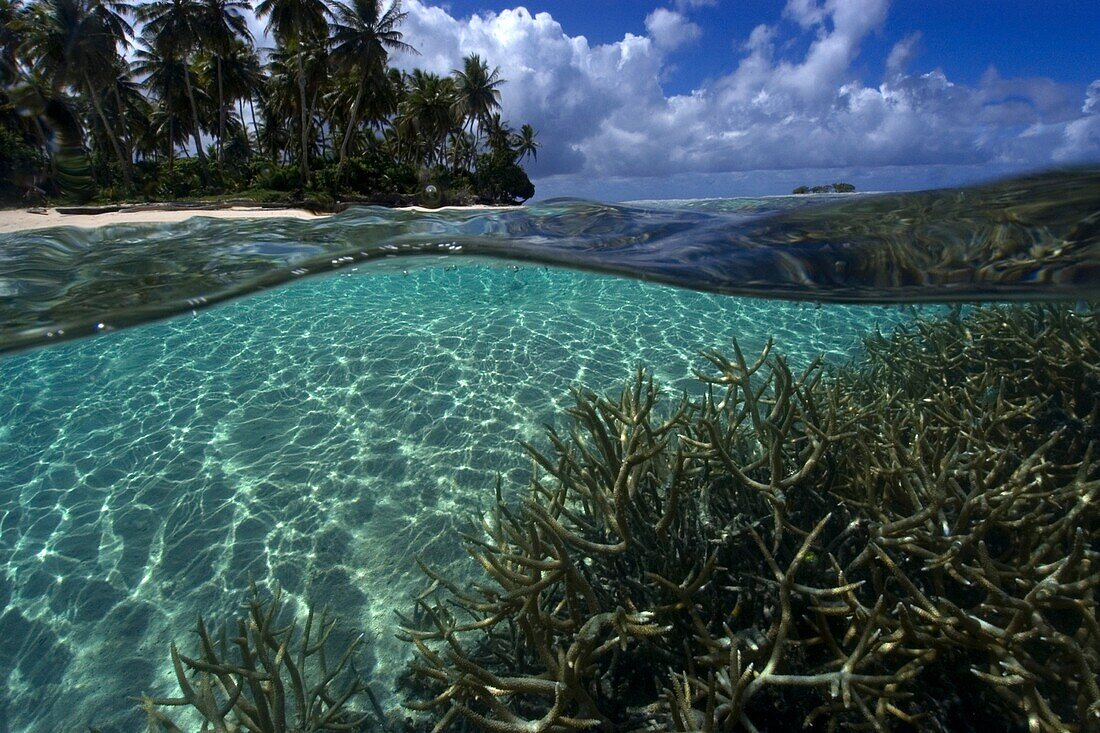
(279, 681)
(907, 543)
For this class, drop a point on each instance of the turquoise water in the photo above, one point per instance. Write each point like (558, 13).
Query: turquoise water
(319, 436)
(1032, 238)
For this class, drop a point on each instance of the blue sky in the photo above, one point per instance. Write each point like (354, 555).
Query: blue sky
(1033, 38)
(687, 98)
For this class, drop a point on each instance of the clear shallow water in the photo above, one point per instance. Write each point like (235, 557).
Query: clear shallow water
(320, 436)
(323, 434)
(1030, 238)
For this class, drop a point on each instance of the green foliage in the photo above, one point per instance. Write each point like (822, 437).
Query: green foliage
(500, 180)
(180, 180)
(195, 83)
(276, 177)
(826, 188)
(21, 167)
(324, 176)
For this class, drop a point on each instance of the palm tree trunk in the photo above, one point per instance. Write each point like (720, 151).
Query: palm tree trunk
(256, 125)
(351, 122)
(128, 147)
(303, 163)
(195, 131)
(244, 128)
(312, 109)
(97, 103)
(221, 115)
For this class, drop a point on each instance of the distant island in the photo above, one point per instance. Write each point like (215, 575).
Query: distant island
(827, 188)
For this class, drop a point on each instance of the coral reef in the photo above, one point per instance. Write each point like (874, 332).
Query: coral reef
(278, 681)
(906, 543)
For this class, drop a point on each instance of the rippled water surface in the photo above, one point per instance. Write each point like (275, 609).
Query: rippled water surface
(1030, 238)
(322, 434)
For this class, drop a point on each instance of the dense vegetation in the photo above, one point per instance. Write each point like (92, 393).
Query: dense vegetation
(826, 188)
(171, 98)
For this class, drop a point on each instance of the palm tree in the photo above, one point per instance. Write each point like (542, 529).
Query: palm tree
(477, 93)
(222, 25)
(499, 135)
(295, 23)
(463, 150)
(429, 112)
(10, 13)
(77, 42)
(362, 37)
(524, 143)
(174, 29)
(241, 77)
(278, 105)
(165, 76)
(124, 102)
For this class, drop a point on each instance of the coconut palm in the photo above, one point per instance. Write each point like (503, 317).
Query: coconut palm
(291, 71)
(68, 93)
(429, 112)
(278, 105)
(499, 135)
(77, 43)
(463, 150)
(363, 34)
(238, 76)
(10, 13)
(174, 29)
(222, 24)
(124, 102)
(524, 143)
(164, 76)
(298, 25)
(477, 96)
(383, 99)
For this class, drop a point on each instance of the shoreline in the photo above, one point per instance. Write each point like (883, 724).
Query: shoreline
(13, 221)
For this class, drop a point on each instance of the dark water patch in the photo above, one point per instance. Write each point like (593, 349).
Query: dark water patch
(1031, 238)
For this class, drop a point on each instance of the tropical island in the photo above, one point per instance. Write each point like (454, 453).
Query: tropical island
(172, 100)
(826, 188)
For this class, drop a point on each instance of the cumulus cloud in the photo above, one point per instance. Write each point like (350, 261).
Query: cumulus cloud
(807, 13)
(1082, 136)
(669, 29)
(601, 111)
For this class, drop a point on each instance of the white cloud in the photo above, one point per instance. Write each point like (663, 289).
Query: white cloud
(669, 29)
(1092, 99)
(807, 13)
(602, 114)
(902, 53)
(1082, 136)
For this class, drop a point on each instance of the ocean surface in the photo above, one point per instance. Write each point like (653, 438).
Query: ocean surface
(230, 418)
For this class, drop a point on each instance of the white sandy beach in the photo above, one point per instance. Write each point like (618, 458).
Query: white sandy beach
(16, 220)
